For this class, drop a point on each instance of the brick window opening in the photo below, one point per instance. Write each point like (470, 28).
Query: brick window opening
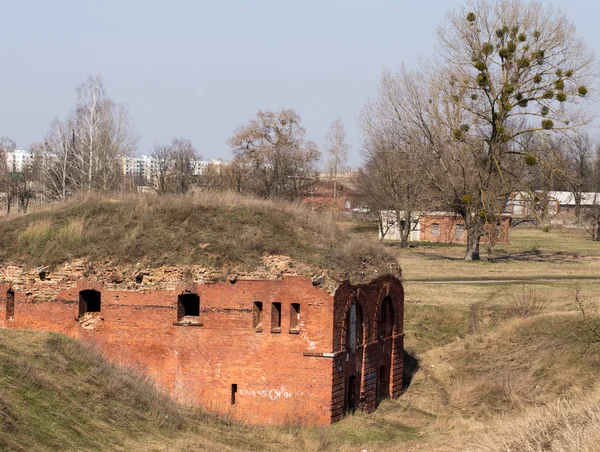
(10, 305)
(385, 325)
(460, 231)
(89, 301)
(188, 308)
(276, 318)
(233, 393)
(257, 316)
(295, 318)
(435, 229)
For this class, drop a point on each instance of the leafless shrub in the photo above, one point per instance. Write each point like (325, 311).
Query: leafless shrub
(527, 303)
(591, 317)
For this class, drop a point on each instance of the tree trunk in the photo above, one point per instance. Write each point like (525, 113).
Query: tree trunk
(473, 240)
(475, 226)
(404, 229)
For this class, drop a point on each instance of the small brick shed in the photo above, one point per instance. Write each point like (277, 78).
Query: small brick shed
(280, 351)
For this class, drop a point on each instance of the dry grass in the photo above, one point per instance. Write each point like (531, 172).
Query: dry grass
(490, 376)
(210, 229)
(560, 426)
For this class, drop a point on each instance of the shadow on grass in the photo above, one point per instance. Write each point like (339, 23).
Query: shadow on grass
(557, 257)
(410, 368)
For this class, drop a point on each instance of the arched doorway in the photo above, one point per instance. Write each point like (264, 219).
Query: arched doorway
(354, 358)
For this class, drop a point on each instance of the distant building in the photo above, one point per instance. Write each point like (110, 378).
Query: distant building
(321, 194)
(145, 166)
(443, 227)
(528, 205)
(18, 160)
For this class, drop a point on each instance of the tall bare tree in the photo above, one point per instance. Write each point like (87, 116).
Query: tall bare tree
(275, 149)
(393, 177)
(103, 138)
(59, 159)
(511, 68)
(337, 150)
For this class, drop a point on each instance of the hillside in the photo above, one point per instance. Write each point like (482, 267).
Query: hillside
(59, 394)
(214, 230)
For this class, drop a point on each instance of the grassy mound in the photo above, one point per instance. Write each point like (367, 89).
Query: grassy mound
(523, 363)
(211, 229)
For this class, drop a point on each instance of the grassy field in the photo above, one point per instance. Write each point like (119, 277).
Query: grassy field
(496, 366)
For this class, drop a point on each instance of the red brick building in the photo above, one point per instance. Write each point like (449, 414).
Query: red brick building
(445, 227)
(262, 351)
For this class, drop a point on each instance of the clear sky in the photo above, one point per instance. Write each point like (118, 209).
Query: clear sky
(198, 69)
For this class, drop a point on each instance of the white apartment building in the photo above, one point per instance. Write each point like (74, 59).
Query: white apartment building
(18, 160)
(141, 166)
(145, 165)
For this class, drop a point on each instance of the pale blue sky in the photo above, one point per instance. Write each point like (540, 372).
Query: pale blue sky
(198, 69)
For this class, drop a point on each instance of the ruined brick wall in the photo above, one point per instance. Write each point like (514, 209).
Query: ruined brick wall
(368, 369)
(222, 359)
(199, 363)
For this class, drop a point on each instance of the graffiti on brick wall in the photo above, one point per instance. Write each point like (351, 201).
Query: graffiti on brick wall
(271, 394)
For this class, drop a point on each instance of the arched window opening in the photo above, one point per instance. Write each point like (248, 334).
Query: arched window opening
(354, 328)
(10, 305)
(89, 301)
(385, 327)
(188, 307)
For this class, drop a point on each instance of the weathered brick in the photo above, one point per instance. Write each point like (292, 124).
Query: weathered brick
(279, 377)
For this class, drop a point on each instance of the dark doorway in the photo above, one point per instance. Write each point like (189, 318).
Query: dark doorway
(354, 358)
(351, 397)
(10, 305)
(383, 385)
(188, 305)
(89, 301)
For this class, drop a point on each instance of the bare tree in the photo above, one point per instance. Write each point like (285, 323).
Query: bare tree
(7, 177)
(115, 142)
(511, 69)
(59, 159)
(161, 168)
(576, 155)
(91, 98)
(103, 138)
(337, 150)
(590, 218)
(6, 146)
(275, 149)
(184, 161)
(174, 166)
